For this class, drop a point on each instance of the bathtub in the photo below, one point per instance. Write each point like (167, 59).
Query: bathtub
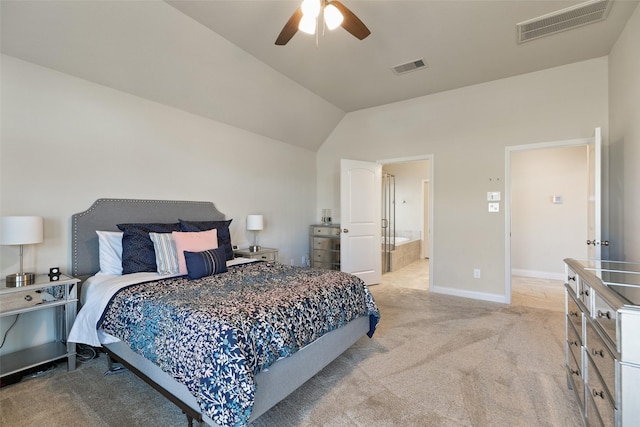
(407, 250)
(398, 239)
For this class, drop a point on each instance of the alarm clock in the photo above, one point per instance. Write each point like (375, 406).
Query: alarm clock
(54, 274)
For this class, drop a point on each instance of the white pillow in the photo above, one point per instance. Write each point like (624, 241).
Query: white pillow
(110, 252)
(166, 255)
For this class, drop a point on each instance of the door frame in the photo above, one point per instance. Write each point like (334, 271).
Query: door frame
(507, 206)
(431, 159)
(426, 184)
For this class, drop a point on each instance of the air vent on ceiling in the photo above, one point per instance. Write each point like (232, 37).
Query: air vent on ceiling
(409, 66)
(565, 19)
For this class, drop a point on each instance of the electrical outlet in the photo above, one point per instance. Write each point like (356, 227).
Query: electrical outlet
(476, 273)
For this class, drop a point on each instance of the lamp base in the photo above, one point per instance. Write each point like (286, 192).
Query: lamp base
(254, 248)
(17, 280)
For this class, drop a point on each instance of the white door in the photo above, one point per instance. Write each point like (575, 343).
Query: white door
(360, 217)
(594, 170)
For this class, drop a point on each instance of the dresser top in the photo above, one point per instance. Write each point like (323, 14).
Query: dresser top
(623, 278)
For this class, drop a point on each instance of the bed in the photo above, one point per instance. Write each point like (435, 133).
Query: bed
(272, 377)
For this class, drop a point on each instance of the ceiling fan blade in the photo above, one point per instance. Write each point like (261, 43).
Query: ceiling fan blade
(290, 28)
(351, 22)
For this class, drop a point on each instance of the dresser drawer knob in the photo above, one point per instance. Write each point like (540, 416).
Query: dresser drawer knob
(574, 313)
(597, 352)
(585, 292)
(606, 314)
(576, 343)
(575, 372)
(572, 278)
(598, 393)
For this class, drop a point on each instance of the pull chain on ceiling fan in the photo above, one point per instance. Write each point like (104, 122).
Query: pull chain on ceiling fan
(334, 14)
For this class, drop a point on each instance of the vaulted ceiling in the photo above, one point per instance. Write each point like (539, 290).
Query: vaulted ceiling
(217, 58)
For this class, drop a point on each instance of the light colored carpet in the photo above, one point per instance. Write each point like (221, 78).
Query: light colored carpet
(435, 360)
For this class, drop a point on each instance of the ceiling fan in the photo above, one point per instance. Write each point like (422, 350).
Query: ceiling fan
(334, 14)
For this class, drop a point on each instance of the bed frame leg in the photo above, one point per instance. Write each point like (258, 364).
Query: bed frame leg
(114, 367)
(189, 420)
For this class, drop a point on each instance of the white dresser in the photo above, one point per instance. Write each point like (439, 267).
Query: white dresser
(602, 306)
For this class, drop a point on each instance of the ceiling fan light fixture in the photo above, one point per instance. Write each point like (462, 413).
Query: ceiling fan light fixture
(307, 24)
(311, 8)
(306, 17)
(332, 17)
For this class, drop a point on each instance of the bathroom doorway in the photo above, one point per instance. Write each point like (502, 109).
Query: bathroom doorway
(406, 237)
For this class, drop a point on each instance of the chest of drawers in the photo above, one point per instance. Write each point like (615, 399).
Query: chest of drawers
(325, 246)
(603, 340)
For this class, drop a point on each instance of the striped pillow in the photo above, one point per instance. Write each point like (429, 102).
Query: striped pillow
(206, 263)
(166, 255)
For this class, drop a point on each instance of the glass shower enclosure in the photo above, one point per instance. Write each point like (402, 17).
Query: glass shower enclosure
(388, 219)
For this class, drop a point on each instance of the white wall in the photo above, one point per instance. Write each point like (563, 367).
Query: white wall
(408, 178)
(624, 136)
(543, 233)
(66, 142)
(467, 131)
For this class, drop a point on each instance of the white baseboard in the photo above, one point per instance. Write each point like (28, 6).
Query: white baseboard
(470, 294)
(537, 274)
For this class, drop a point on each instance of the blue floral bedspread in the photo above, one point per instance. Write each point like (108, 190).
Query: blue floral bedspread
(214, 334)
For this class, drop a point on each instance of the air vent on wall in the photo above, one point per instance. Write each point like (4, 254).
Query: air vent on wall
(409, 66)
(565, 19)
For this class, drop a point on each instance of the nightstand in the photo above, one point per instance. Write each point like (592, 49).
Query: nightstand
(265, 254)
(43, 294)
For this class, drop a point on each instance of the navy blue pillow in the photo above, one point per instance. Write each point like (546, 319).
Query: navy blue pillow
(224, 237)
(137, 248)
(206, 263)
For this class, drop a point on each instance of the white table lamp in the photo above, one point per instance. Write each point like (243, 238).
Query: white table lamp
(21, 230)
(255, 223)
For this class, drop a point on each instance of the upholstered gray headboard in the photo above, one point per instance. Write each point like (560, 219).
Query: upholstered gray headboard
(105, 214)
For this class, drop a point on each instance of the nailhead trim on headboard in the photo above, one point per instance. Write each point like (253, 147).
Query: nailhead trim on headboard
(192, 210)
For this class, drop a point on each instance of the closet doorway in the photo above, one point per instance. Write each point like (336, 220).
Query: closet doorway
(548, 205)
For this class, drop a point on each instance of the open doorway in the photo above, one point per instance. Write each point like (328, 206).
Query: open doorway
(407, 204)
(548, 193)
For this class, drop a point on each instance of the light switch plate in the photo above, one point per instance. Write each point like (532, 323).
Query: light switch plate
(494, 207)
(493, 196)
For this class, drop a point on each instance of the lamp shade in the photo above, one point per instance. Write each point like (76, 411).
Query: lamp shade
(332, 17)
(21, 230)
(307, 24)
(255, 222)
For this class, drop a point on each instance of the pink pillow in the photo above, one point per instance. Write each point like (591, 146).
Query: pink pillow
(193, 242)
